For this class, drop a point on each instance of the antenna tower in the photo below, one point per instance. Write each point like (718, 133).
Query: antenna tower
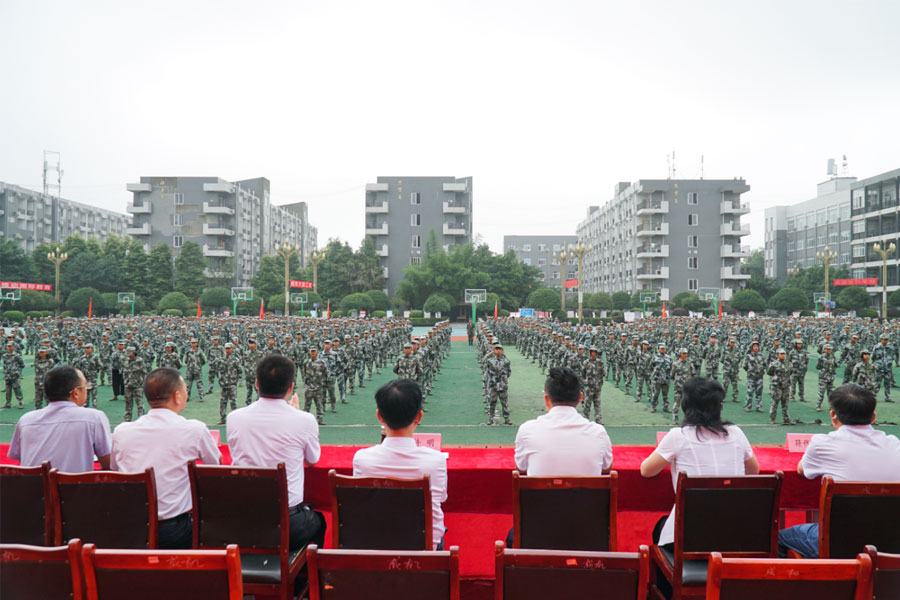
(52, 164)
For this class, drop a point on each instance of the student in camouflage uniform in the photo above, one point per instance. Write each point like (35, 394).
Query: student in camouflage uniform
(799, 360)
(864, 372)
(662, 369)
(43, 363)
(134, 371)
(230, 373)
(169, 358)
(755, 366)
(499, 370)
(713, 355)
(105, 351)
(731, 368)
(329, 357)
(644, 368)
(13, 365)
(213, 358)
(593, 372)
(632, 357)
(826, 366)
(883, 357)
(575, 361)
(780, 372)
(682, 370)
(406, 366)
(315, 373)
(349, 364)
(117, 370)
(251, 357)
(89, 365)
(850, 357)
(695, 354)
(193, 369)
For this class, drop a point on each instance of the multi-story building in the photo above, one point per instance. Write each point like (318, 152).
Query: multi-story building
(668, 236)
(875, 217)
(795, 233)
(537, 251)
(31, 218)
(401, 213)
(235, 223)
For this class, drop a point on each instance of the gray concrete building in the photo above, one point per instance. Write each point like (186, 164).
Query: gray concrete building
(235, 223)
(875, 217)
(537, 251)
(401, 212)
(31, 218)
(669, 236)
(795, 233)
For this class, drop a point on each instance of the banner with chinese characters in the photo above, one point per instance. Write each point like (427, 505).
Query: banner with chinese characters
(18, 285)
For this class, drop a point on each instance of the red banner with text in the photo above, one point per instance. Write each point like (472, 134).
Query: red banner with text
(866, 281)
(18, 285)
(301, 284)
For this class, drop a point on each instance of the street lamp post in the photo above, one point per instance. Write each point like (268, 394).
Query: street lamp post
(826, 257)
(287, 251)
(884, 251)
(562, 257)
(579, 251)
(57, 258)
(315, 257)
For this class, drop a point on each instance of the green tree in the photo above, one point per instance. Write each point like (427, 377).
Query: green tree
(543, 299)
(176, 300)
(621, 300)
(189, 267)
(600, 300)
(15, 264)
(114, 248)
(755, 266)
(854, 298)
(44, 271)
(380, 300)
(894, 298)
(222, 274)
(74, 245)
(748, 300)
(32, 300)
(269, 277)
(79, 300)
(134, 270)
(436, 303)
(110, 302)
(219, 298)
(357, 301)
(160, 272)
(789, 299)
(487, 308)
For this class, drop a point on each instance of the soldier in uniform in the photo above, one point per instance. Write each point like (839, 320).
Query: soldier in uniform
(695, 355)
(644, 368)
(593, 373)
(632, 356)
(13, 365)
(251, 357)
(43, 363)
(118, 359)
(662, 369)
(713, 355)
(755, 366)
(499, 370)
(864, 372)
(340, 368)
(826, 366)
(731, 367)
(850, 357)
(134, 370)
(213, 357)
(230, 373)
(406, 366)
(89, 365)
(169, 358)
(470, 331)
(883, 357)
(315, 373)
(780, 372)
(330, 359)
(193, 369)
(682, 370)
(799, 360)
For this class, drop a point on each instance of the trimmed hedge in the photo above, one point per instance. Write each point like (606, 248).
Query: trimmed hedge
(172, 312)
(430, 322)
(379, 314)
(416, 314)
(15, 316)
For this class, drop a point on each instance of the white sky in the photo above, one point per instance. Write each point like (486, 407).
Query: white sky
(546, 104)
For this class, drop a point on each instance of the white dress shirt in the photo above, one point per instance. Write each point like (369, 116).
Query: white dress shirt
(853, 453)
(271, 431)
(563, 443)
(166, 441)
(708, 455)
(64, 433)
(400, 458)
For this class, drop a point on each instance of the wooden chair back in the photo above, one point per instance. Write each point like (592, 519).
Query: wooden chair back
(106, 508)
(541, 574)
(383, 574)
(788, 579)
(25, 515)
(28, 572)
(588, 522)
(169, 574)
(380, 513)
(885, 574)
(854, 514)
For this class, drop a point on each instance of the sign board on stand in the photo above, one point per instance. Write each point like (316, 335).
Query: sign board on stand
(797, 442)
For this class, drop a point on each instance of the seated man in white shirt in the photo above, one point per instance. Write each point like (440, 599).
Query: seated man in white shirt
(400, 410)
(166, 441)
(274, 430)
(63, 432)
(854, 451)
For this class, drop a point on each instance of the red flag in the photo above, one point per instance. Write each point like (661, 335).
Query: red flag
(720, 309)
(199, 312)
(90, 307)
(262, 304)
(664, 310)
(495, 310)
(328, 310)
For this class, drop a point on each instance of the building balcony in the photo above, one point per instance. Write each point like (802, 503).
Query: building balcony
(734, 251)
(653, 273)
(144, 209)
(455, 187)
(217, 252)
(453, 209)
(24, 215)
(652, 229)
(219, 188)
(385, 272)
(653, 251)
(207, 230)
(734, 208)
(142, 230)
(453, 229)
(653, 208)
(207, 272)
(382, 252)
(214, 209)
(732, 229)
(139, 187)
(377, 187)
(733, 273)
(381, 230)
(381, 208)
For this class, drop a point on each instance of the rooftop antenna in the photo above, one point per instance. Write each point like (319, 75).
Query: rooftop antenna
(844, 169)
(52, 163)
(701, 166)
(832, 168)
(673, 164)
(668, 166)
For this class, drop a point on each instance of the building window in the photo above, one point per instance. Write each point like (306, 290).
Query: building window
(821, 239)
(179, 198)
(554, 275)
(693, 219)
(834, 214)
(542, 262)
(859, 226)
(692, 198)
(415, 219)
(845, 258)
(858, 273)
(526, 261)
(801, 244)
(692, 285)
(415, 260)
(692, 262)
(820, 217)
(693, 241)
(859, 251)
(526, 247)
(414, 198)
(542, 247)
(790, 246)
(859, 199)
(417, 241)
(177, 219)
(177, 241)
(790, 224)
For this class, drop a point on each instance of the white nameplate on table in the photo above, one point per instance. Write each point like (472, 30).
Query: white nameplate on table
(429, 440)
(797, 442)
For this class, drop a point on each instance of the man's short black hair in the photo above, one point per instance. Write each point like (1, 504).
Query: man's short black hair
(160, 385)
(274, 375)
(59, 383)
(853, 404)
(563, 386)
(399, 402)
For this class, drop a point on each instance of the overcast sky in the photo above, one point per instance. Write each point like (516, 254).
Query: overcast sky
(546, 104)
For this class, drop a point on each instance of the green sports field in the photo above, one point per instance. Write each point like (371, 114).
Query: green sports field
(456, 409)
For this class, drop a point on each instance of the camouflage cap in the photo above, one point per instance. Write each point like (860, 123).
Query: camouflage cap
(828, 347)
(498, 345)
(580, 346)
(781, 351)
(798, 341)
(644, 342)
(661, 345)
(89, 345)
(407, 345)
(682, 350)
(10, 343)
(130, 349)
(864, 351)
(884, 336)
(168, 345)
(593, 349)
(229, 345)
